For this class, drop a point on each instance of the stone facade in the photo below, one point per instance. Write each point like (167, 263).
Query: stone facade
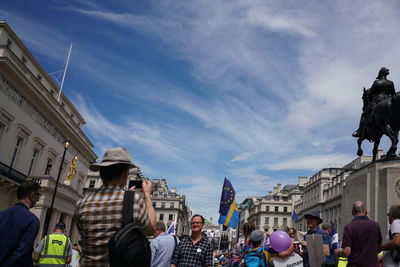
(169, 206)
(324, 192)
(33, 127)
(273, 210)
(378, 185)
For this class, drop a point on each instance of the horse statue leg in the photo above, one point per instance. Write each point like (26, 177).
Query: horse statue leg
(359, 150)
(375, 149)
(394, 139)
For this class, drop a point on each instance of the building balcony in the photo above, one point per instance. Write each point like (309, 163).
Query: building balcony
(12, 174)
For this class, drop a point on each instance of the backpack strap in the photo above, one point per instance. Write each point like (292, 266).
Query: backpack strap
(176, 244)
(127, 208)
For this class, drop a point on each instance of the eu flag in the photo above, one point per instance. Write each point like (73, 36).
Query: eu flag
(294, 216)
(229, 213)
(227, 197)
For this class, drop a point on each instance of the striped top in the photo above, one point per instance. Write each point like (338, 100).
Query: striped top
(98, 217)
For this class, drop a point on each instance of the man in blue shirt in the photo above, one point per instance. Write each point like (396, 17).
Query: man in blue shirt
(313, 220)
(162, 247)
(19, 227)
(330, 260)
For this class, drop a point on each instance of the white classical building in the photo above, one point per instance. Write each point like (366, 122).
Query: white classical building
(169, 206)
(33, 128)
(274, 210)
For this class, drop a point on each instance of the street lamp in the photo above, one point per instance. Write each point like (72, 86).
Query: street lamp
(48, 217)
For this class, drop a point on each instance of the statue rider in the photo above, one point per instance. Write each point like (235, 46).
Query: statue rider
(381, 89)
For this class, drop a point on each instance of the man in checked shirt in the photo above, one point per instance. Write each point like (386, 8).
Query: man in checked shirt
(99, 215)
(195, 250)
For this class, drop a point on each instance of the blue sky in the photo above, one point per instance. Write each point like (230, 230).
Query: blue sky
(262, 91)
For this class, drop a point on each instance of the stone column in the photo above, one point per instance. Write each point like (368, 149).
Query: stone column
(55, 217)
(40, 212)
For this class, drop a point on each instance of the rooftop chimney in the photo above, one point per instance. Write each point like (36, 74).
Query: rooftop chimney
(302, 180)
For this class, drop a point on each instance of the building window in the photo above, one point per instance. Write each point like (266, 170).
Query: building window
(154, 204)
(9, 43)
(285, 209)
(266, 220)
(162, 205)
(17, 149)
(1, 129)
(267, 208)
(275, 221)
(161, 218)
(33, 161)
(48, 166)
(276, 208)
(172, 205)
(284, 221)
(39, 77)
(170, 217)
(23, 59)
(92, 183)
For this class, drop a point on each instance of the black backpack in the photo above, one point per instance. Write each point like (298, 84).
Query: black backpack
(129, 246)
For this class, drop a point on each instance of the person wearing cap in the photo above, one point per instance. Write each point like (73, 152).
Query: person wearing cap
(54, 249)
(99, 215)
(361, 239)
(313, 222)
(251, 256)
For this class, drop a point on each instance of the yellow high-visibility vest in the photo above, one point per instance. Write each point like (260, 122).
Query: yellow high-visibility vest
(342, 262)
(55, 250)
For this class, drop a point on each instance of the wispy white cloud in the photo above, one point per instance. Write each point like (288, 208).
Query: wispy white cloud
(280, 83)
(124, 132)
(313, 162)
(245, 156)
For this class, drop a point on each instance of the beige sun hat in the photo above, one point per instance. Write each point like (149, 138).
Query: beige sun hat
(118, 155)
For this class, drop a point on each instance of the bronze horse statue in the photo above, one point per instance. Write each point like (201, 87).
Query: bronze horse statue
(382, 119)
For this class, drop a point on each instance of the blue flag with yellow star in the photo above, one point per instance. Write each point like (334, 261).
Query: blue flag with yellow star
(229, 213)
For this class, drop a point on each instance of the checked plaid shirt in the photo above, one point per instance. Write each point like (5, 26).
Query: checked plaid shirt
(188, 254)
(98, 217)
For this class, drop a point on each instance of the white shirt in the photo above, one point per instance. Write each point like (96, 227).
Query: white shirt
(387, 257)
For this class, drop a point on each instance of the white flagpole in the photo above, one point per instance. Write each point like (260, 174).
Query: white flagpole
(65, 71)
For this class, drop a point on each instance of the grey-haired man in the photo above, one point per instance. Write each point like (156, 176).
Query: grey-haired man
(162, 247)
(99, 215)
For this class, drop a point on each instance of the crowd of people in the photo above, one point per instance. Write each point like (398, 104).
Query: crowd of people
(101, 215)
(361, 245)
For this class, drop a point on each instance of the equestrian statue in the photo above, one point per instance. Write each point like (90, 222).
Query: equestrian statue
(381, 115)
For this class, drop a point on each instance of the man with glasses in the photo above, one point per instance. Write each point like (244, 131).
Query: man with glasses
(19, 227)
(195, 250)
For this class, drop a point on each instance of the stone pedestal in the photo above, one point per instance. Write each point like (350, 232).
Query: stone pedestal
(378, 185)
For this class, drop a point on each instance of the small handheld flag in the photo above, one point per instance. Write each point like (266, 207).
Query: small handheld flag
(171, 228)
